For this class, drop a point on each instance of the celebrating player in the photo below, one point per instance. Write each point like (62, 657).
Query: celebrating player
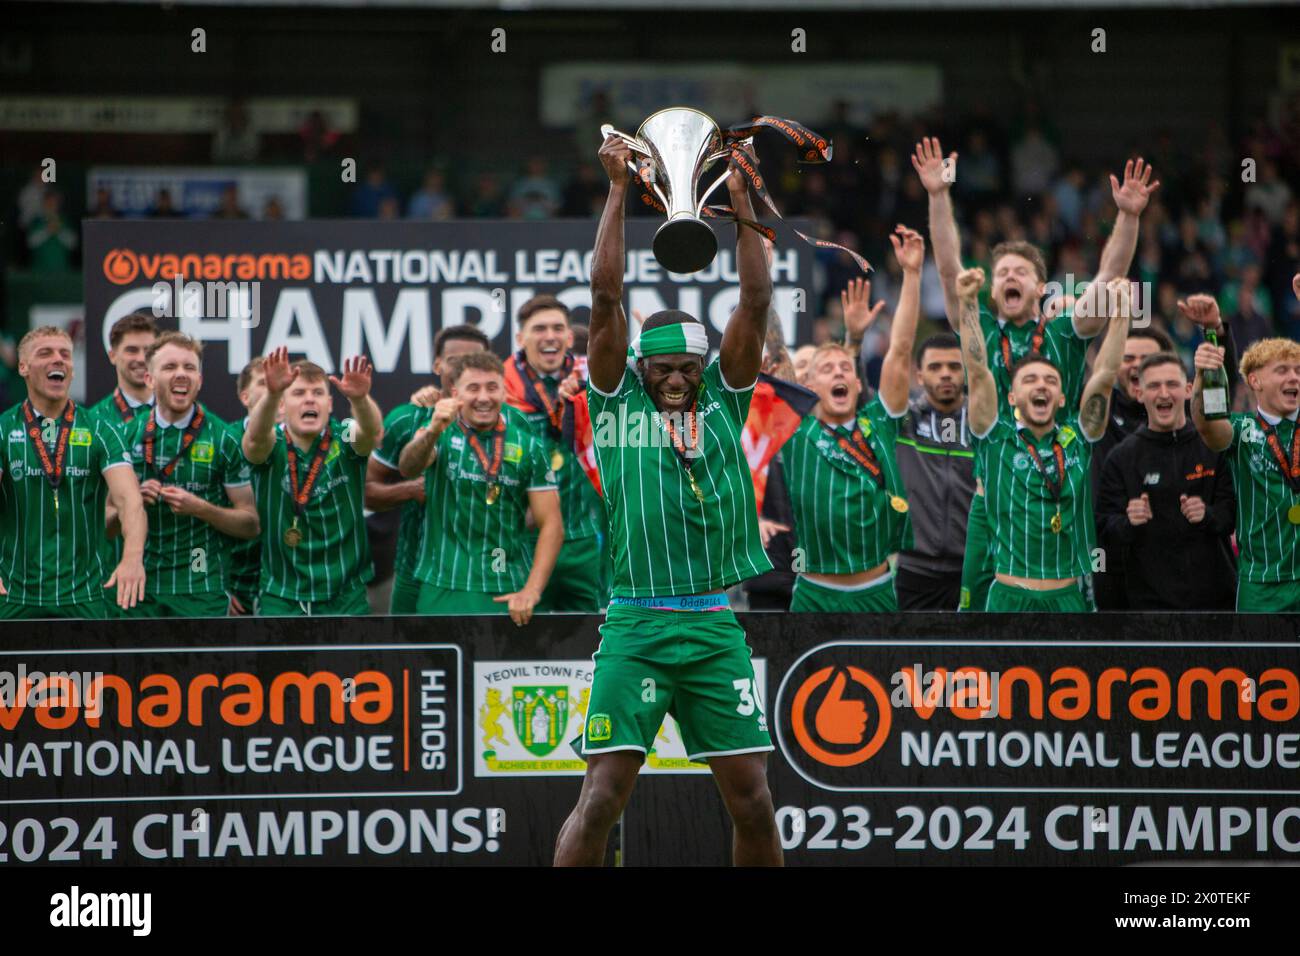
(244, 564)
(684, 526)
(543, 382)
(1020, 326)
(491, 469)
(1264, 449)
(129, 339)
(1036, 470)
(308, 479)
(195, 484)
(58, 464)
(850, 507)
(387, 489)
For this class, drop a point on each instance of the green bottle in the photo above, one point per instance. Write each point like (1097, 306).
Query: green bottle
(1214, 387)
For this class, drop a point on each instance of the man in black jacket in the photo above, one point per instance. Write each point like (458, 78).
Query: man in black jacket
(1166, 502)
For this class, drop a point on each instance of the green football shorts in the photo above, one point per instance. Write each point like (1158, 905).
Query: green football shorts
(1008, 598)
(877, 597)
(1277, 598)
(694, 665)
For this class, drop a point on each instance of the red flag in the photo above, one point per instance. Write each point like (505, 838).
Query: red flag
(775, 413)
(519, 389)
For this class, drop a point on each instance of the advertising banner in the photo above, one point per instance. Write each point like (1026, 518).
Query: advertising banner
(196, 191)
(334, 288)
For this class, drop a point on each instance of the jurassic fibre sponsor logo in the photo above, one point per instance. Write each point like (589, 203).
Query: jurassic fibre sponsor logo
(124, 266)
(839, 713)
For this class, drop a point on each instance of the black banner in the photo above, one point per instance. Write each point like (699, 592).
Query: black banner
(329, 289)
(905, 739)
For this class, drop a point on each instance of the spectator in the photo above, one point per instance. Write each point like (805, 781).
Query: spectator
(1034, 162)
(487, 202)
(50, 241)
(103, 207)
(389, 209)
(1068, 194)
(230, 208)
(371, 193)
(585, 195)
(163, 208)
(1270, 194)
(1249, 307)
(31, 198)
(235, 140)
(316, 138)
(535, 196)
(273, 211)
(981, 170)
(432, 201)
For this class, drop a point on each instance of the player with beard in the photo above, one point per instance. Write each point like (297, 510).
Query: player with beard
(387, 489)
(308, 479)
(850, 506)
(544, 383)
(1264, 449)
(195, 485)
(1019, 327)
(129, 340)
(58, 466)
(245, 561)
(1166, 504)
(1036, 469)
(683, 527)
(483, 470)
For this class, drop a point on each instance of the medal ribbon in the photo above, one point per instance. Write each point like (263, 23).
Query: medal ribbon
(490, 471)
(191, 433)
(123, 409)
(1290, 472)
(300, 497)
(679, 445)
(1035, 344)
(856, 447)
(1053, 487)
(559, 412)
(53, 468)
(813, 148)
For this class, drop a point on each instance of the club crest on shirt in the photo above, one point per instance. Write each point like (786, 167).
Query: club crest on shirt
(513, 453)
(202, 451)
(335, 450)
(80, 437)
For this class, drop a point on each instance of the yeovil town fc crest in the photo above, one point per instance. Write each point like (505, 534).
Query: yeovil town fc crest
(541, 715)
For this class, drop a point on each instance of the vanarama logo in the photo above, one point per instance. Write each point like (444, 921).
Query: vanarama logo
(835, 714)
(124, 266)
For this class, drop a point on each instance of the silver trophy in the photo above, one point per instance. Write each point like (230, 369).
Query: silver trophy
(678, 146)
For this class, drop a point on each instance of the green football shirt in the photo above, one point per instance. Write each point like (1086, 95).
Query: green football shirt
(107, 410)
(184, 554)
(844, 521)
(1061, 346)
(333, 556)
(243, 556)
(578, 499)
(1021, 507)
(468, 543)
(399, 427)
(52, 557)
(1266, 538)
(664, 541)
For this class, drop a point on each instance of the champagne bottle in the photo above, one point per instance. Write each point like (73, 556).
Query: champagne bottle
(1214, 387)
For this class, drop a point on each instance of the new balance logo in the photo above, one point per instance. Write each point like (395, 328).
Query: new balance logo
(1152, 478)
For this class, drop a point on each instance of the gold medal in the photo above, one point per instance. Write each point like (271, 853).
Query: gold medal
(898, 504)
(1056, 523)
(1293, 514)
(557, 460)
(292, 536)
(695, 488)
(493, 493)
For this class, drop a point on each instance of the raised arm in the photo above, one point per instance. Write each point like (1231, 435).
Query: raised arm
(928, 161)
(983, 390)
(259, 436)
(742, 341)
(607, 338)
(1094, 406)
(777, 362)
(896, 370)
(1131, 198)
(420, 451)
(355, 386)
